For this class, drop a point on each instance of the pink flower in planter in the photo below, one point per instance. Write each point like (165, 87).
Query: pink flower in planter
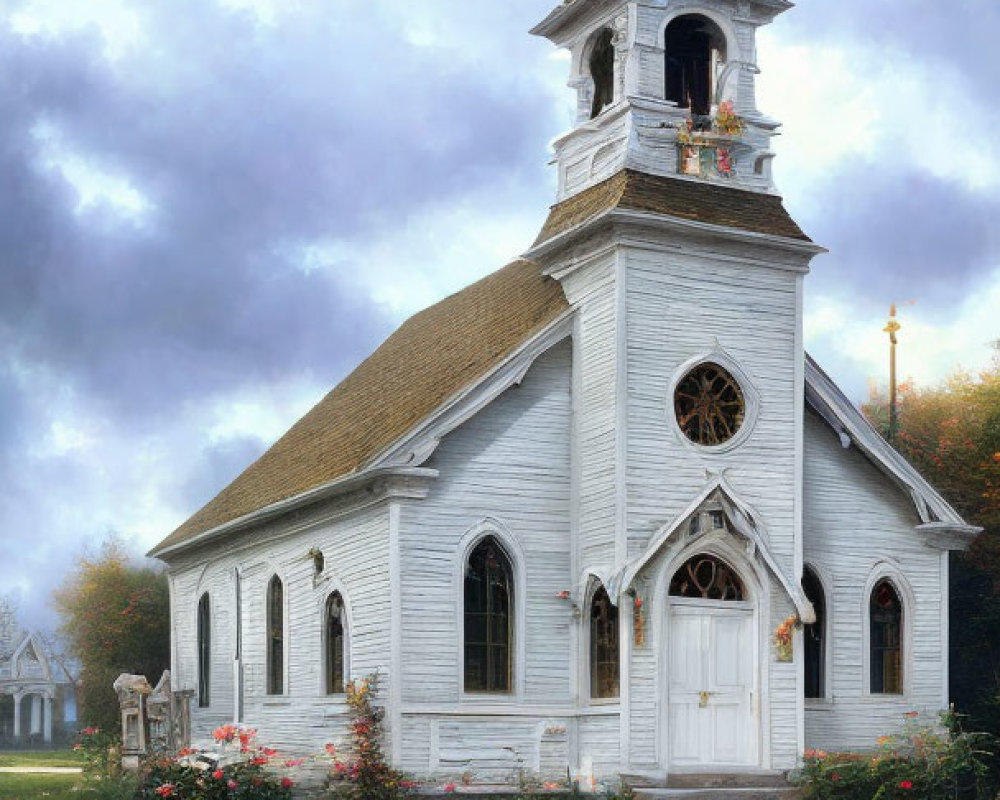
(217, 774)
(906, 784)
(449, 787)
(287, 783)
(295, 762)
(232, 784)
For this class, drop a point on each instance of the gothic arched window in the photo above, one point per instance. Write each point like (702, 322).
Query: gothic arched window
(204, 650)
(489, 603)
(814, 636)
(885, 612)
(602, 70)
(275, 637)
(706, 577)
(335, 636)
(603, 646)
(694, 47)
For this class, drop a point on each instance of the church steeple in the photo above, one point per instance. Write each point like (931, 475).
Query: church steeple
(665, 87)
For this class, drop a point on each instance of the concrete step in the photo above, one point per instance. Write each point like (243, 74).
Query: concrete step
(725, 793)
(758, 779)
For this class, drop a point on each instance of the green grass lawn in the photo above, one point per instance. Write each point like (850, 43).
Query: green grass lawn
(36, 787)
(40, 758)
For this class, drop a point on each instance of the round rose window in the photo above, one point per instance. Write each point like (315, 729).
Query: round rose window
(709, 405)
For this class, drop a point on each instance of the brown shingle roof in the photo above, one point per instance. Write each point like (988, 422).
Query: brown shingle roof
(715, 204)
(435, 354)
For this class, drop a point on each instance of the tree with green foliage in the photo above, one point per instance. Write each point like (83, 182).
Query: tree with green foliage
(951, 433)
(115, 617)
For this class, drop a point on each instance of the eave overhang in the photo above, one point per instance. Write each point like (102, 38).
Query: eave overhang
(941, 526)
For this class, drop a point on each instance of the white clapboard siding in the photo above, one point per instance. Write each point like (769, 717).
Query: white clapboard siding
(506, 470)
(593, 291)
(304, 718)
(682, 306)
(856, 518)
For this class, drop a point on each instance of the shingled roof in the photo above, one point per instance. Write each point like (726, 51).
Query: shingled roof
(452, 344)
(435, 354)
(714, 204)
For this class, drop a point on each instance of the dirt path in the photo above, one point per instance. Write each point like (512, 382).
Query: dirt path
(42, 770)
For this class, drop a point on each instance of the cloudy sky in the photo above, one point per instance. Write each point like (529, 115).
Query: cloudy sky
(210, 210)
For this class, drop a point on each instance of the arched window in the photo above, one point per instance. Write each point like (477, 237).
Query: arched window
(814, 636)
(706, 577)
(489, 603)
(603, 646)
(885, 611)
(335, 634)
(602, 70)
(694, 48)
(275, 637)
(204, 650)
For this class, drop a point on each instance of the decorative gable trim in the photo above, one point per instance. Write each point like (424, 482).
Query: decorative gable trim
(419, 444)
(941, 525)
(747, 523)
(32, 641)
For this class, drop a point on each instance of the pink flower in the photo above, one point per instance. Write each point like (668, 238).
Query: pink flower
(331, 749)
(563, 595)
(217, 774)
(906, 784)
(295, 762)
(287, 783)
(166, 790)
(78, 747)
(232, 784)
(449, 787)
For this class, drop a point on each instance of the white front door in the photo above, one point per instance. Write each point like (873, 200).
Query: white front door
(710, 683)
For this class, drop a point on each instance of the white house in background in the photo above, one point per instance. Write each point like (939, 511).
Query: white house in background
(35, 691)
(565, 511)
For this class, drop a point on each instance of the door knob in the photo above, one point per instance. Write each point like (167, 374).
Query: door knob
(703, 699)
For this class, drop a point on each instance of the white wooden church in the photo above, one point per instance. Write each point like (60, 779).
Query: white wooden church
(572, 513)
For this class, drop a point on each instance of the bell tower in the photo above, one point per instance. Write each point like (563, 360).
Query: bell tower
(664, 87)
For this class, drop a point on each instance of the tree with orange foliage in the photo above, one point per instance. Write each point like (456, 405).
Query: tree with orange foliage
(951, 433)
(115, 617)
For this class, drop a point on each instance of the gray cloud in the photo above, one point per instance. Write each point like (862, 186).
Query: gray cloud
(250, 141)
(900, 233)
(961, 34)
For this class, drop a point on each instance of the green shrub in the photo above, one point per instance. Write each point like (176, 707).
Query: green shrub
(921, 763)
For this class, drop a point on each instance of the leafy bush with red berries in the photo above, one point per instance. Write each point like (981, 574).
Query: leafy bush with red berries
(366, 776)
(921, 763)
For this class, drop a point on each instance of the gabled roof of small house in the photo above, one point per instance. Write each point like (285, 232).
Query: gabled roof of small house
(434, 354)
(707, 203)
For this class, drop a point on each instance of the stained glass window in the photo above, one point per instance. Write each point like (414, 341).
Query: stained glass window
(275, 637)
(489, 600)
(886, 618)
(709, 405)
(603, 646)
(814, 636)
(335, 643)
(204, 650)
(706, 577)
